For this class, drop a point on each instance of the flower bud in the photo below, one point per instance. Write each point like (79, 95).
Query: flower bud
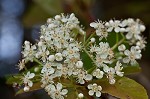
(40, 43)
(80, 95)
(51, 58)
(79, 64)
(122, 47)
(58, 57)
(49, 20)
(92, 40)
(36, 69)
(142, 28)
(26, 88)
(57, 17)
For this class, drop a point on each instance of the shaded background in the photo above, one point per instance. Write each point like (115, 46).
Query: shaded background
(21, 19)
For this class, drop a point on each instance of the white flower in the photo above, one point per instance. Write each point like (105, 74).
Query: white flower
(133, 32)
(103, 49)
(122, 47)
(79, 64)
(72, 51)
(80, 95)
(21, 64)
(100, 29)
(98, 73)
(48, 70)
(130, 21)
(110, 74)
(118, 69)
(42, 52)
(103, 53)
(93, 48)
(134, 29)
(141, 43)
(26, 79)
(29, 51)
(64, 71)
(101, 60)
(132, 55)
(58, 57)
(94, 88)
(113, 25)
(82, 75)
(124, 23)
(56, 92)
(51, 58)
(46, 79)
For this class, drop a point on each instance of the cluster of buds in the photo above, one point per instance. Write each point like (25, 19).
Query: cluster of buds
(58, 53)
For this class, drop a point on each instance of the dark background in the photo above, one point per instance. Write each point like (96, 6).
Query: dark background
(21, 19)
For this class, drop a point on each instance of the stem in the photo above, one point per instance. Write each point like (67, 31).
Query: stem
(25, 68)
(87, 44)
(89, 56)
(117, 38)
(84, 38)
(89, 39)
(75, 35)
(37, 61)
(118, 43)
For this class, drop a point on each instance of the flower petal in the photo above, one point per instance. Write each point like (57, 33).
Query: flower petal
(59, 86)
(88, 77)
(30, 83)
(126, 60)
(98, 94)
(91, 92)
(31, 75)
(64, 91)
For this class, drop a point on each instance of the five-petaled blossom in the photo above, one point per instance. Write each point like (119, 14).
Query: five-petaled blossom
(27, 79)
(132, 55)
(57, 92)
(94, 88)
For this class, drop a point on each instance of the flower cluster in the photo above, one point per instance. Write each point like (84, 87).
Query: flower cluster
(59, 58)
(104, 55)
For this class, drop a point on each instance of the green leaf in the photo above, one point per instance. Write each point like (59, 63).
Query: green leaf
(36, 86)
(124, 88)
(88, 63)
(131, 69)
(71, 94)
(10, 79)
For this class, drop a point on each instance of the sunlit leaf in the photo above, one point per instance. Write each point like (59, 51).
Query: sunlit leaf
(131, 69)
(124, 88)
(71, 94)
